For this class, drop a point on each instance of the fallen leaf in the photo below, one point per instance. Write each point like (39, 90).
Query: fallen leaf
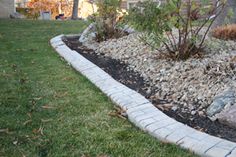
(41, 130)
(27, 122)
(15, 142)
(35, 131)
(14, 66)
(38, 98)
(46, 120)
(84, 155)
(165, 107)
(38, 131)
(60, 95)
(102, 156)
(118, 113)
(160, 107)
(67, 78)
(47, 107)
(29, 114)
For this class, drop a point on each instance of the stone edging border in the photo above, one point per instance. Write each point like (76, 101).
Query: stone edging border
(144, 114)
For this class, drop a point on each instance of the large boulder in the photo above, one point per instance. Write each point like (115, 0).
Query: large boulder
(228, 116)
(225, 99)
(89, 34)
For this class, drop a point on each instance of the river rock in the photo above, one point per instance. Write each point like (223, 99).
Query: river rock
(220, 101)
(128, 29)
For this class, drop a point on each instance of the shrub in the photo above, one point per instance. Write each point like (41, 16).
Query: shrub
(27, 12)
(227, 32)
(35, 6)
(176, 25)
(41, 5)
(106, 19)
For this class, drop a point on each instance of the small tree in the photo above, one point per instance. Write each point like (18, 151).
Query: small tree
(176, 25)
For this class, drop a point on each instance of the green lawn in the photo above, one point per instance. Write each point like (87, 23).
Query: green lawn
(49, 109)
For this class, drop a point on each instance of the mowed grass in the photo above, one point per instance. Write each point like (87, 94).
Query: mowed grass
(49, 109)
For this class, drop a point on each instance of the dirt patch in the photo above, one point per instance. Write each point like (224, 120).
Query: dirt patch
(119, 71)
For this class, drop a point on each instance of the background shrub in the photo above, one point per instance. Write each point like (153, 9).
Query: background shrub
(227, 32)
(106, 20)
(28, 13)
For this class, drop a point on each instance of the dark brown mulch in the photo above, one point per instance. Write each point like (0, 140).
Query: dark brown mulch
(118, 70)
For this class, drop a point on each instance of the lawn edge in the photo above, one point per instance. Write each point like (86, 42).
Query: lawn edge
(143, 113)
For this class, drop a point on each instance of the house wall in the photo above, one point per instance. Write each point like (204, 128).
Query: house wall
(6, 8)
(86, 8)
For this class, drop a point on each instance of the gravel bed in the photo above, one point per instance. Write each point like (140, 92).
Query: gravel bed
(191, 85)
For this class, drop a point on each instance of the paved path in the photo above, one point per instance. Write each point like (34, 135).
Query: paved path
(142, 113)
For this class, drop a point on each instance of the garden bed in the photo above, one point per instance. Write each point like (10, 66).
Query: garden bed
(116, 58)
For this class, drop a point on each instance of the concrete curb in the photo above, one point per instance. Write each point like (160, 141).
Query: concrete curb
(142, 113)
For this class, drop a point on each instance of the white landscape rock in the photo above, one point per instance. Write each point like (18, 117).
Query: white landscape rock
(88, 34)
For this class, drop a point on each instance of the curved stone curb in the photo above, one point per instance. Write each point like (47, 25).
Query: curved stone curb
(142, 113)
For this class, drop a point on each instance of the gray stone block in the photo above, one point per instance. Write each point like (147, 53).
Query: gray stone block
(212, 140)
(146, 116)
(174, 127)
(115, 90)
(161, 117)
(204, 145)
(55, 44)
(135, 114)
(129, 91)
(57, 39)
(198, 135)
(150, 109)
(188, 142)
(145, 122)
(226, 145)
(132, 117)
(107, 84)
(143, 108)
(180, 133)
(160, 124)
(217, 152)
(232, 153)
(161, 134)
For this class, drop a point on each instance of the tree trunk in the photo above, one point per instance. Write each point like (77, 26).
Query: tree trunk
(75, 10)
(222, 18)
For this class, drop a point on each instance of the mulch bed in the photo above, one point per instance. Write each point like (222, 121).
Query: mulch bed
(133, 80)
